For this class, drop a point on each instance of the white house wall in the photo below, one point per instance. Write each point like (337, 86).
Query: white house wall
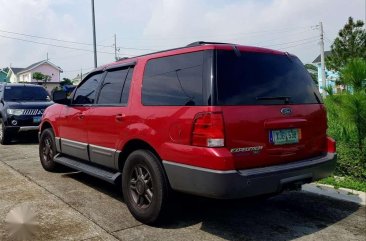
(13, 78)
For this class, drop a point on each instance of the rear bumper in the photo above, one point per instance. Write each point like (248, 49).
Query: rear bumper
(249, 182)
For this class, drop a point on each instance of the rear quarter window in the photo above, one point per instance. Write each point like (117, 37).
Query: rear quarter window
(174, 80)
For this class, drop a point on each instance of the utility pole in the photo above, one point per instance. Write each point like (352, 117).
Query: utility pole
(94, 37)
(322, 57)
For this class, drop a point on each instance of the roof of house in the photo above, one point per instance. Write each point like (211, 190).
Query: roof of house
(32, 66)
(317, 59)
(15, 70)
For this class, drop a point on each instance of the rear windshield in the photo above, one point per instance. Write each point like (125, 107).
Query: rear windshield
(246, 78)
(23, 93)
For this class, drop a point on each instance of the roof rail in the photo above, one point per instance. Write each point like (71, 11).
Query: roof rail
(198, 43)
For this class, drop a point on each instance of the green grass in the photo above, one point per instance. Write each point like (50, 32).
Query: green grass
(345, 182)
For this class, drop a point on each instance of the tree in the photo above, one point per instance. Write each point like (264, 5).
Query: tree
(354, 74)
(65, 81)
(313, 71)
(350, 43)
(347, 111)
(38, 76)
(42, 77)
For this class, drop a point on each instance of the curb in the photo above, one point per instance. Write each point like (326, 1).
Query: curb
(344, 194)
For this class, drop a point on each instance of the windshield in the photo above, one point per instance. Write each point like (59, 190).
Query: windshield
(246, 78)
(24, 93)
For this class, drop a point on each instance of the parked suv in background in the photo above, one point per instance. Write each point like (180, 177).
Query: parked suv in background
(210, 119)
(21, 109)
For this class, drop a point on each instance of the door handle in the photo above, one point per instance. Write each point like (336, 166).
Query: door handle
(119, 117)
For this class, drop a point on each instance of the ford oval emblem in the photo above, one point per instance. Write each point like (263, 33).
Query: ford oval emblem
(286, 111)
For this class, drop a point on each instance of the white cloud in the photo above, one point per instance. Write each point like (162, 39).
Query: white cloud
(159, 24)
(183, 21)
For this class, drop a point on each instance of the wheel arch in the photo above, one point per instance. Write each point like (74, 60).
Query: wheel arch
(46, 124)
(133, 145)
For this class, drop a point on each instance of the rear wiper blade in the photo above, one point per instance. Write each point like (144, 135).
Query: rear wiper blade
(285, 98)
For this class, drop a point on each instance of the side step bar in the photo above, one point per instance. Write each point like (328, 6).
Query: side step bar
(95, 171)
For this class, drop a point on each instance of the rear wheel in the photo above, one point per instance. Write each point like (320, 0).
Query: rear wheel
(4, 135)
(47, 150)
(144, 187)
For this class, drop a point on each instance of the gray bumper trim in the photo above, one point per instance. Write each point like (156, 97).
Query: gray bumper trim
(249, 182)
(28, 128)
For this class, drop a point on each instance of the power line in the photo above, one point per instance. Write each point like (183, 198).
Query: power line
(280, 30)
(76, 70)
(72, 42)
(58, 46)
(282, 37)
(305, 43)
(297, 41)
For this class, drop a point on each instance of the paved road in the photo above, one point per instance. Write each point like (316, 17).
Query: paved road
(74, 206)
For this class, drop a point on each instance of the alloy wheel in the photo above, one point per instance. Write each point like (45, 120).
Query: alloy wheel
(47, 152)
(140, 187)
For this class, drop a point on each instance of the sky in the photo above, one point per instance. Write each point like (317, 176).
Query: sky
(31, 29)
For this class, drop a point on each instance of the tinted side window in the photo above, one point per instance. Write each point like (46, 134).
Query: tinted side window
(126, 87)
(111, 89)
(174, 80)
(85, 93)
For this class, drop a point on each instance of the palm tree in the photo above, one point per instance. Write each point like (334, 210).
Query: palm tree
(354, 74)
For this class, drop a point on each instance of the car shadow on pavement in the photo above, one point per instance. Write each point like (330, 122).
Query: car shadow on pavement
(24, 139)
(283, 217)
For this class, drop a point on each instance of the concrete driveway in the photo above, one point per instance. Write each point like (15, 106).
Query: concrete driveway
(74, 206)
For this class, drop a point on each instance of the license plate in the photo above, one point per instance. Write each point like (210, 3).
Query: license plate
(37, 119)
(284, 136)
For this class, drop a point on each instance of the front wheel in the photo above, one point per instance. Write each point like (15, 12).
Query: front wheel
(4, 135)
(47, 150)
(144, 186)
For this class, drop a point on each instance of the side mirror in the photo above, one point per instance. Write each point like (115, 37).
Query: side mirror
(60, 97)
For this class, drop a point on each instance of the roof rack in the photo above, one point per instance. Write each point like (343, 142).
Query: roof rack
(198, 43)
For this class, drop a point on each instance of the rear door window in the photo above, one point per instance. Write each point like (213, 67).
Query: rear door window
(246, 78)
(112, 87)
(174, 80)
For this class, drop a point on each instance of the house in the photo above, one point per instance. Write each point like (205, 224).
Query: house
(331, 76)
(25, 75)
(3, 75)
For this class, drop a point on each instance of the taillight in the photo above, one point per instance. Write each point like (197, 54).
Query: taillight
(331, 145)
(208, 130)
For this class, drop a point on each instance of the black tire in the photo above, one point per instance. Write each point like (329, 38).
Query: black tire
(47, 150)
(145, 187)
(5, 138)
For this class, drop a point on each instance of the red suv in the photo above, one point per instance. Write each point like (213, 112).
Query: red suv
(210, 119)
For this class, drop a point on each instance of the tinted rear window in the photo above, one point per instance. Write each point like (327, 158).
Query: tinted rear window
(263, 79)
(175, 80)
(24, 93)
